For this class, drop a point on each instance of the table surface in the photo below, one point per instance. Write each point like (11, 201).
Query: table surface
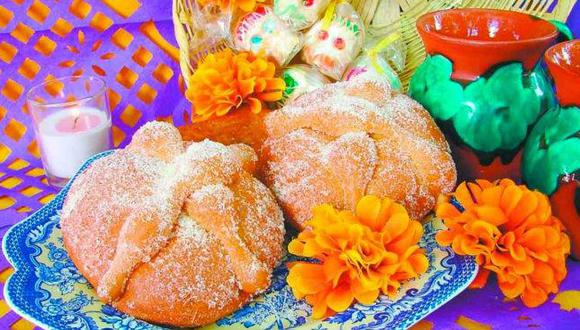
(130, 44)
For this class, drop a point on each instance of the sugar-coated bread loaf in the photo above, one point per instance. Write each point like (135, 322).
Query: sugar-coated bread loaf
(348, 139)
(172, 233)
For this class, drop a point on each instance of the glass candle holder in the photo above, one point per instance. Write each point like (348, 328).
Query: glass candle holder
(72, 122)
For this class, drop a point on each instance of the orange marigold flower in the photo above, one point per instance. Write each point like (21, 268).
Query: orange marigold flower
(510, 230)
(245, 5)
(359, 255)
(225, 81)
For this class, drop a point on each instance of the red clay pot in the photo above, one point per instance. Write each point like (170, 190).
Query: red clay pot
(472, 169)
(563, 61)
(563, 206)
(475, 40)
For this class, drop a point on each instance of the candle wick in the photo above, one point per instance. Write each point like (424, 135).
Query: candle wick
(75, 122)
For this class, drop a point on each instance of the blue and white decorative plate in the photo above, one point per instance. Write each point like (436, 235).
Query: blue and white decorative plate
(47, 289)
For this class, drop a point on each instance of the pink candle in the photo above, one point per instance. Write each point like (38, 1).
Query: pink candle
(70, 136)
(78, 122)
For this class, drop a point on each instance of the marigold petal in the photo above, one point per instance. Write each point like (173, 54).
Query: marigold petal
(464, 196)
(510, 198)
(533, 297)
(542, 273)
(199, 118)
(483, 259)
(307, 278)
(390, 258)
(222, 109)
(370, 279)
(367, 297)
(275, 84)
(260, 85)
(340, 298)
(394, 207)
(333, 269)
(518, 253)
(491, 196)
(265, 68)
(506, 242)
(246, 87)
(470, 245)
(500, 259)
(411, 236)
(319, 306)
(480, 279)
(552, 237)
(446, 210)
(491, 214)
(523, 267)
(544, 209)
(323, 216)
(296, 247)
(484, 184)
(312, 249)
(391, 288)
(444, 237)
(272, 96)
(542, 255)
(457, 243)
(388, 269)
(419, 263)
(254, 104)
(523, 209)
(482, 229)
(396, 225)
(368, 210)
(513, 288)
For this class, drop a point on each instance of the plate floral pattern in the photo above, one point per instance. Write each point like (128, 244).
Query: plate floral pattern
(47, 289)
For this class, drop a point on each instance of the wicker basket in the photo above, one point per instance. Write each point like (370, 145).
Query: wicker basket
(381, 17)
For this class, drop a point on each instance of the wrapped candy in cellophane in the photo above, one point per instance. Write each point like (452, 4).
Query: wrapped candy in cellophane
(300, 14)
(261, 31)
(210, 21)
(378, 61)
(301, 79)
(332, 46)
(335, 41)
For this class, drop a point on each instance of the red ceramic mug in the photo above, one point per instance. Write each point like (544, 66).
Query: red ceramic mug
(483, 85)
(551, 160)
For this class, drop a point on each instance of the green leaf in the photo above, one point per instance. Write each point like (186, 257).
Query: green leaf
(552, 149)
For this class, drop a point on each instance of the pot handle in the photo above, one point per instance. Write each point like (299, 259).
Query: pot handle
(565, 32)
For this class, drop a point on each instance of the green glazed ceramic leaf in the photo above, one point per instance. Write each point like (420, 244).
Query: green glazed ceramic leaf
(490, 114)
(432, 86)
(552, 149)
